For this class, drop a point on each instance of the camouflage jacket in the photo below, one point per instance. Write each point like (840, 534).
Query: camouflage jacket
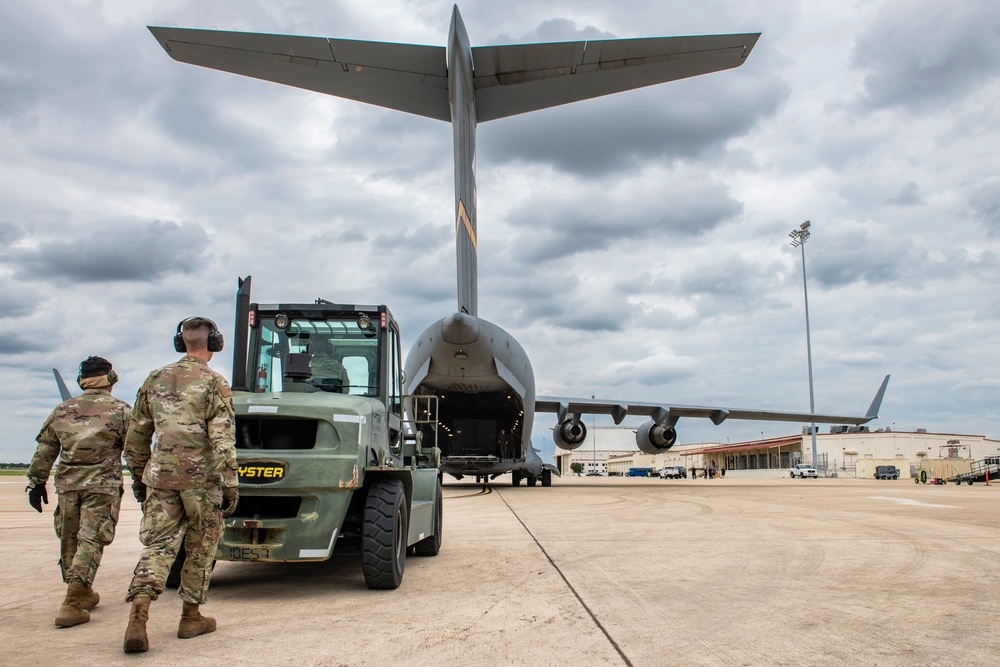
(190, 408)
(86, 433)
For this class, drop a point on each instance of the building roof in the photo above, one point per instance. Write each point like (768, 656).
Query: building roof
(745, 446)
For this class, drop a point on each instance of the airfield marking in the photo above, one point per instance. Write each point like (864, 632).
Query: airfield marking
(915, 503)
(572, 590)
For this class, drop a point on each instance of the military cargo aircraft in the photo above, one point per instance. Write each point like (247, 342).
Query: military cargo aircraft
(480, 373)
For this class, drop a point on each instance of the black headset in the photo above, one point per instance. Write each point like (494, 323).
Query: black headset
(215, 340)
(111, 375)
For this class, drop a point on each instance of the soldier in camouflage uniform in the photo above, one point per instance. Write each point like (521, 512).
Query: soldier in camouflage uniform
(86, 433)
(325, 366)
(186, 483)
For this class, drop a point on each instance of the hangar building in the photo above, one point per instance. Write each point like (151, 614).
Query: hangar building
(840, 453)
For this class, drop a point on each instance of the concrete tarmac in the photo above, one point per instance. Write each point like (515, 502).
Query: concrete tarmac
(592, 571)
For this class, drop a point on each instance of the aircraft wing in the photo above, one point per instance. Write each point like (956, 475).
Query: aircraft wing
(524, 77)
(63, 389)
(406, 77)
(669, 413)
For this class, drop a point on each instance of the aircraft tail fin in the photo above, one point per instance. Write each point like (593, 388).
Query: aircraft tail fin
(63, 389)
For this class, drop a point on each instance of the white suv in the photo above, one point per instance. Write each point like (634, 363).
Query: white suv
(802, 471)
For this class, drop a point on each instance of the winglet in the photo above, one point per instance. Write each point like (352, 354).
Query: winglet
(877, 401)
(63, 389)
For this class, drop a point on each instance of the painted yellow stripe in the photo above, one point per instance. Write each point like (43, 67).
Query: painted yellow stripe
(463, 217)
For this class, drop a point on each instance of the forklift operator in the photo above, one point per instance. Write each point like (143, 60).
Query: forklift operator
(328, 373)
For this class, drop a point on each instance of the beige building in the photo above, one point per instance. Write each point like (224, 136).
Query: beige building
(844, 454)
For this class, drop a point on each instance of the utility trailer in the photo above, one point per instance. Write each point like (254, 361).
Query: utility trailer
(981, 471)
(328, 462)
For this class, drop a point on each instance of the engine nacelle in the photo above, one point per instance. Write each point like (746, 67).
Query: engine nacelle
(653, 438)
(569, 434)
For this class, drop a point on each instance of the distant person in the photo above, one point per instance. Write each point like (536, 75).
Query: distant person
(187, 483)
(324, 365)
(87, 434)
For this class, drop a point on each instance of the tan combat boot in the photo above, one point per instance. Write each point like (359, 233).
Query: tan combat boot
(193, 623)
(72, 611)
(135, 634)
(90, 598)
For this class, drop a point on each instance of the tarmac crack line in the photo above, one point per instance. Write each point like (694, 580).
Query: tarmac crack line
(572, 590)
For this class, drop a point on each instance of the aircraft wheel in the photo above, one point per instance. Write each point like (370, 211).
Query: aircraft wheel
(515, 479)
(430, 546)
(384, 544)
(546, 477)
(532, 481)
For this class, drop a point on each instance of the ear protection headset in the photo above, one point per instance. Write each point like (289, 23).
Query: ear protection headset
(112, 376)
(215, 339)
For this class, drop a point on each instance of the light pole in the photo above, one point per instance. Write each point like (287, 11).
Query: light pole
(593, 426)
(799, 237)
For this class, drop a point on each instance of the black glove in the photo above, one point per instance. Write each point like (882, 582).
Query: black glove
(37, 495)
(139, 490)
(230, 496)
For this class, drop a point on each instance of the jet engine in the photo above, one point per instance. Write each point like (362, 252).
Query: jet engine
(653, 438)
(569, 434)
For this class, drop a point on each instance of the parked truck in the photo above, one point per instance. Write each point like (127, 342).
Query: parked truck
(328, 461)
(886, 472)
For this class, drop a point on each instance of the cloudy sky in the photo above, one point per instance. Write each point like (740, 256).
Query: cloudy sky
(636, 245)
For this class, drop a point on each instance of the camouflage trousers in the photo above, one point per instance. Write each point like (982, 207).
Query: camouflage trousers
(171, 517)
(85, 523)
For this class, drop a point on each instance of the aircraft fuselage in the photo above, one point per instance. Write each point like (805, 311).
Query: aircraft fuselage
(486, 391)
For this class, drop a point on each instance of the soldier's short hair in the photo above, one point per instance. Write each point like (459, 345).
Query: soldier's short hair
(195, 334)
(94, 366)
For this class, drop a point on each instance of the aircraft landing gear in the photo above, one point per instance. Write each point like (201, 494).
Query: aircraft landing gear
(515, 479)
(546, 477)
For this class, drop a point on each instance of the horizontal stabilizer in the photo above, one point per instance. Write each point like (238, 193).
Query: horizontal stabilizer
(519, 78)
(508, 80)
(406, 77)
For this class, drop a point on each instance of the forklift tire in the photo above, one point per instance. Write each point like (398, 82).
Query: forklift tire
(430, 546)
(384, 535)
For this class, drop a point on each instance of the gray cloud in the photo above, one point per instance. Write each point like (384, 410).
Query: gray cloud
(553, 226)
(985, 204)
(14, 340)
(927, 55)
(634, 244)
(688, 120)
(555, 30)
(17, 300)
(120, 251)
(908, 195)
